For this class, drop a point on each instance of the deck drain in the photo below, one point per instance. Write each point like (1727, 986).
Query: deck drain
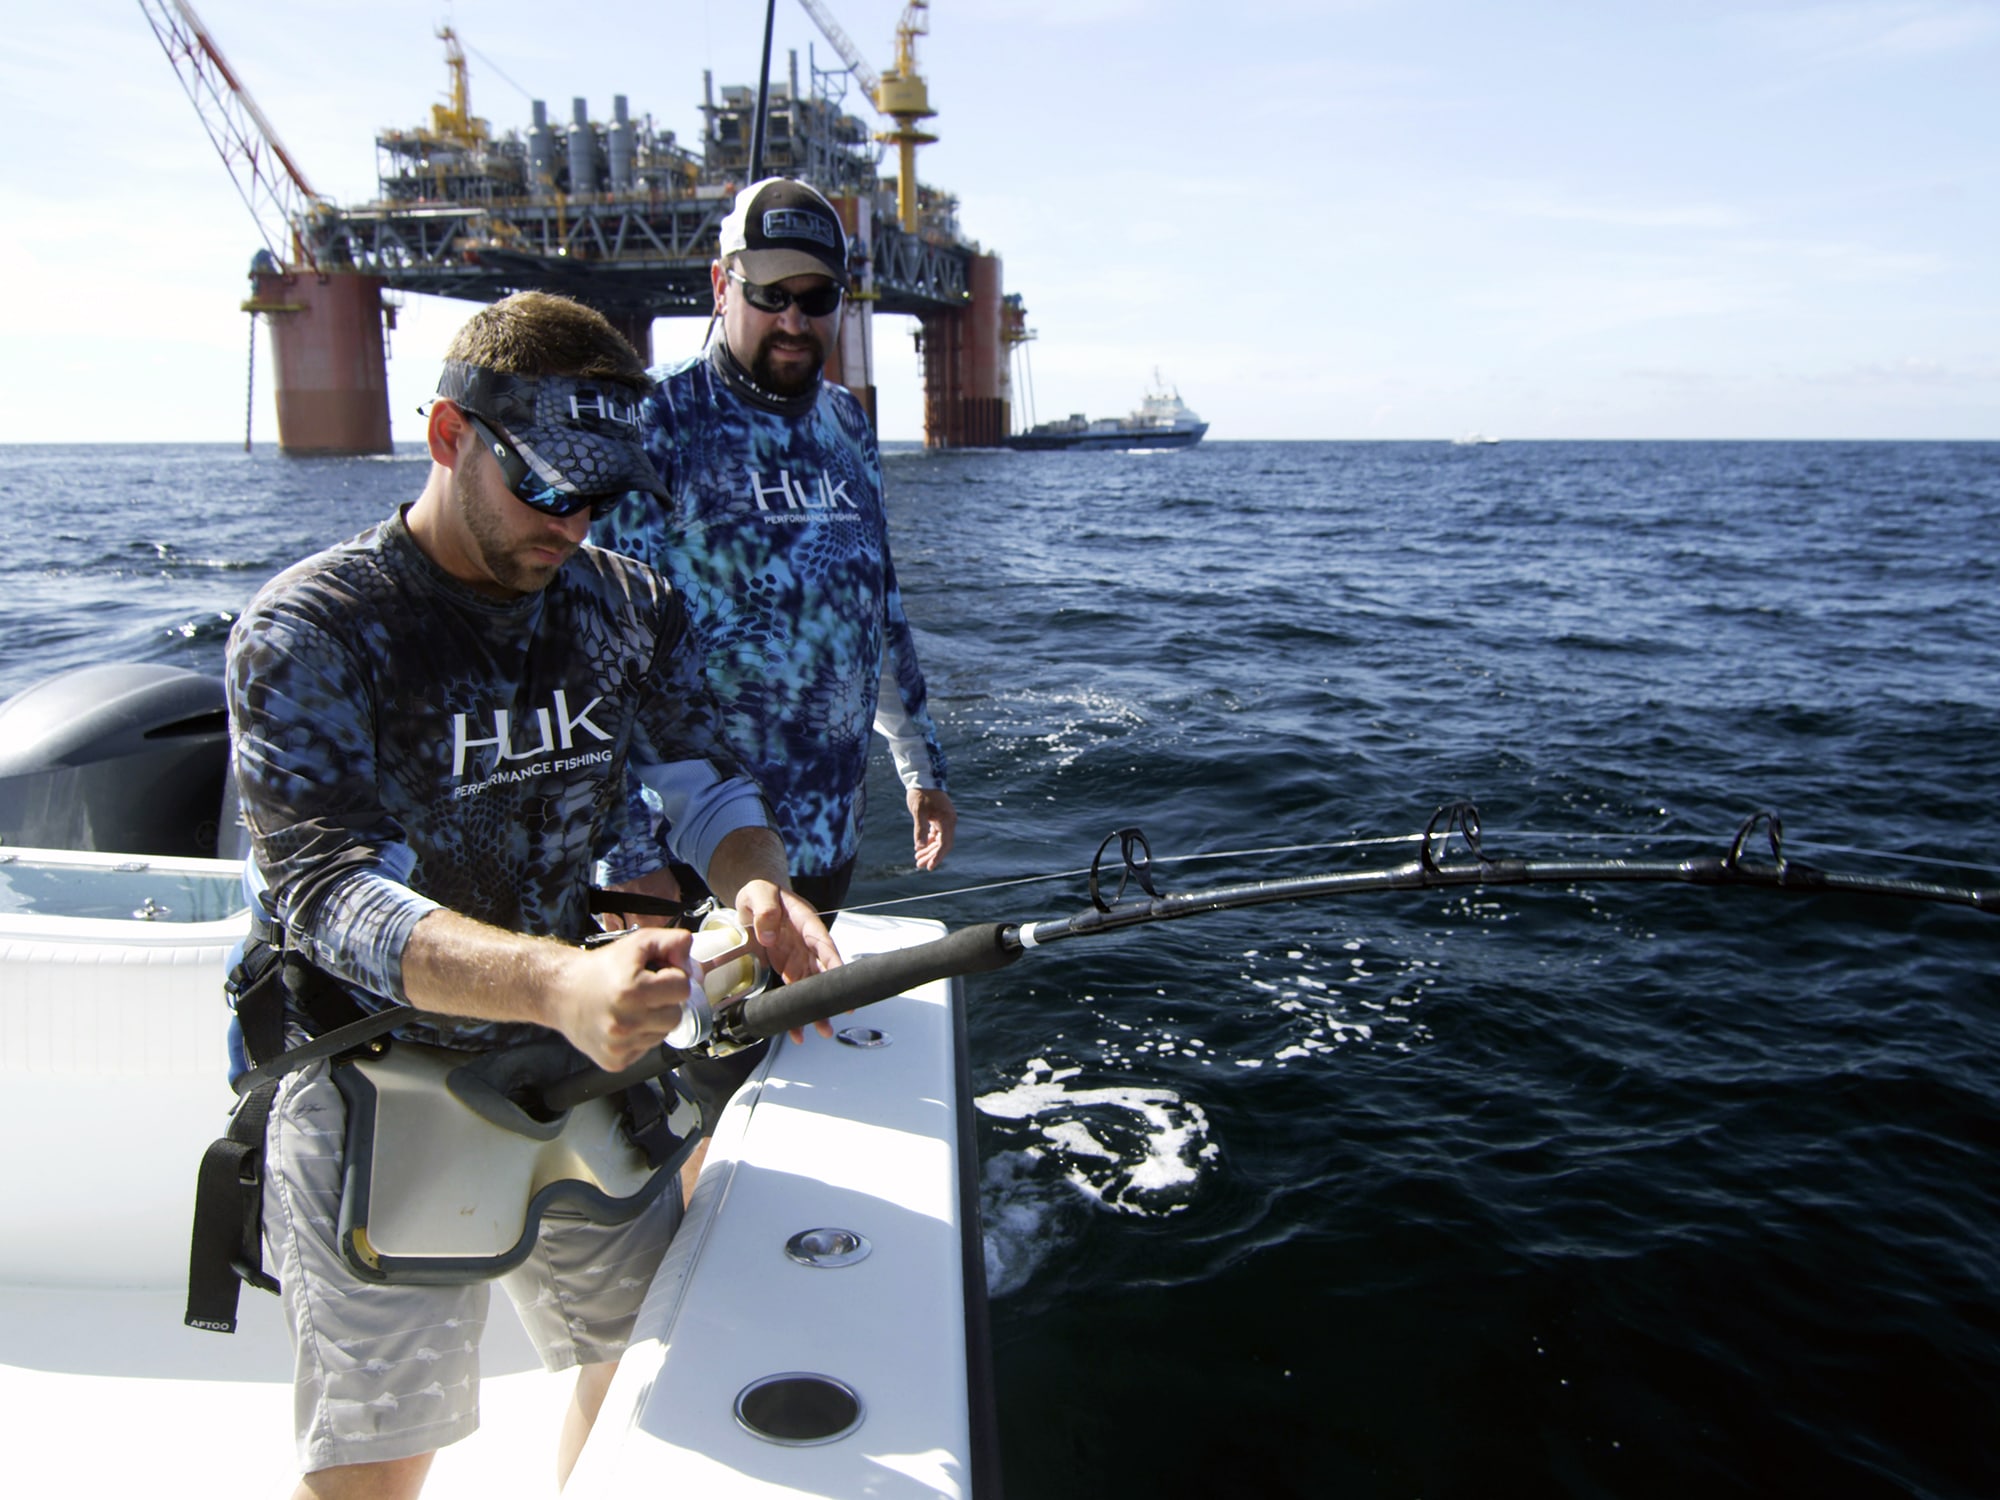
(862, 1036)
(828, 1247)
(798, 1409)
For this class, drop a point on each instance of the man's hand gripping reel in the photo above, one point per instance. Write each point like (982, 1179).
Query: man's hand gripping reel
(728, 970)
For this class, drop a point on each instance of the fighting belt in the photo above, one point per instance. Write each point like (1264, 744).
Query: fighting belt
(448, 1176)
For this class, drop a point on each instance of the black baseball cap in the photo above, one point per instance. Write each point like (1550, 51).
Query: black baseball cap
(782, 228)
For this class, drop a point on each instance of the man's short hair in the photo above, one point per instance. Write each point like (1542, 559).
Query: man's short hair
(540, 333)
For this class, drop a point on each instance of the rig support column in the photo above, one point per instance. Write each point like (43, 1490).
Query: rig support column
(329, 363)
(966, 384)
(638, 331)
(851, 360)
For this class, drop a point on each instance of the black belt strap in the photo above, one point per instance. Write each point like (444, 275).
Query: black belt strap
(255, 988)
(227, 1249)
(635, 904)
(340, 1039)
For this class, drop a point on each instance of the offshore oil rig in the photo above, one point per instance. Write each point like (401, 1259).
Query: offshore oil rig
(613, 212)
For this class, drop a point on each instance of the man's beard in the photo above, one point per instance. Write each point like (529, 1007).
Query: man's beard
(500, 552)
(766, 376)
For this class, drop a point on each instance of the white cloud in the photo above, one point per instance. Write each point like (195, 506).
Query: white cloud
(1057, 15)
(1529, 200)
(1909, 371)
(1829, 35)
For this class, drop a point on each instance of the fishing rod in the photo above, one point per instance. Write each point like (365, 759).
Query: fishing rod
(763, 96)
(994, 945)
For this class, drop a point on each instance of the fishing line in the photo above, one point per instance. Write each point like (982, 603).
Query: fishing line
(1173, 859)
(966, 890)
(1915, 859)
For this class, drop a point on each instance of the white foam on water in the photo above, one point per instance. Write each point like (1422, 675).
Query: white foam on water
(1332, 1002)
(1021, 1216)
(1133, 1149)
(1141, 1149)
(1074, 1137)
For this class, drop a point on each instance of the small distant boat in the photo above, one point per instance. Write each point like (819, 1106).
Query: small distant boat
(1473, 440)
(1163, 420)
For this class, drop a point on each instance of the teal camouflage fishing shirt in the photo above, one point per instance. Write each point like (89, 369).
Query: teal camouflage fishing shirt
(776, 540)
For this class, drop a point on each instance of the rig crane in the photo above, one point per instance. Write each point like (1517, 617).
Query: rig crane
(899, 95)
(273, 188)
(326, 318)
(844, 45)
(455, 122)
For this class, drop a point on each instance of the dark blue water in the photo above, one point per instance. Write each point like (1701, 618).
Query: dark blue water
(1593, 1191)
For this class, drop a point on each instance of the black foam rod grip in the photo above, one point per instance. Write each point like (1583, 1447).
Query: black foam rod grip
(875, 976)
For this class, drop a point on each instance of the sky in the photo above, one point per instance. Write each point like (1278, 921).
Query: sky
(1319, 219)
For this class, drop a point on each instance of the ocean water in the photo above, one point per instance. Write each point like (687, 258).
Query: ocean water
(1605, 1190)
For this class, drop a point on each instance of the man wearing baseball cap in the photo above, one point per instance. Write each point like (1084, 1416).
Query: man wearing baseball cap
(781, 246)
(432, 727)
(770, 524)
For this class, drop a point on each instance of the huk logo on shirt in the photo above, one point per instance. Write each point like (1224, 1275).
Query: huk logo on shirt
(556, 728)
(789, 499)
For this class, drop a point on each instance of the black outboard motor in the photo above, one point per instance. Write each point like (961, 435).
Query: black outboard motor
(129, 758)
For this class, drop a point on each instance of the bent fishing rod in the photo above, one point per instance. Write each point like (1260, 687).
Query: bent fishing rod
(993, 945)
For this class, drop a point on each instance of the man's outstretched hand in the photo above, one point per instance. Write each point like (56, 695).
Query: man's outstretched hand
(933, 824)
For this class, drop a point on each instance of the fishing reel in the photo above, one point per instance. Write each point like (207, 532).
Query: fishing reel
(730, 968)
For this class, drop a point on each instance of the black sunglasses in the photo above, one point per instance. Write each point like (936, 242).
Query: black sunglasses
(814, 302)
(529, 487)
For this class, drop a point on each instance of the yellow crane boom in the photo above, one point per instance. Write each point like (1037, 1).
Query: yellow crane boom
(899, 95)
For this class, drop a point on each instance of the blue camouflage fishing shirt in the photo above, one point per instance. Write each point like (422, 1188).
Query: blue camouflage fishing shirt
(777, 541)
(403, 743)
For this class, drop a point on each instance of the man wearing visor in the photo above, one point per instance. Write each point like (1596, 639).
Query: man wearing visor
(770, 524)
(433, 725)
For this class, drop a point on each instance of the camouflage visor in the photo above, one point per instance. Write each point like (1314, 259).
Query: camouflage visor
(563, 443)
